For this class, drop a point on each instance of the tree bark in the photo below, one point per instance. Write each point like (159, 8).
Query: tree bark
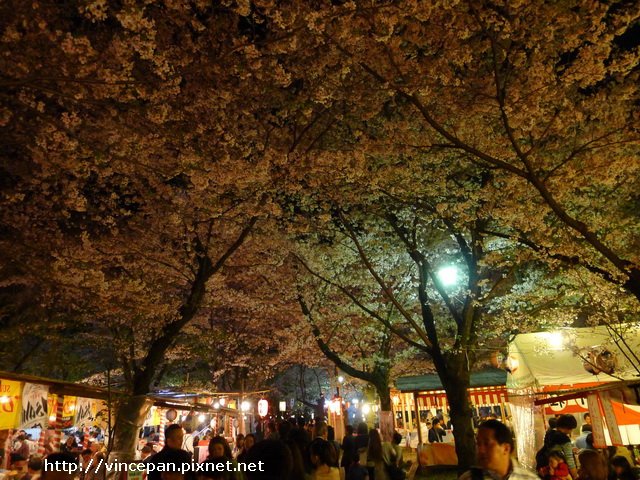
(130, 415)
(455, 377)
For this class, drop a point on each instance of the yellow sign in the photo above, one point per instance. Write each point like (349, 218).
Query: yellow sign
(10, 407)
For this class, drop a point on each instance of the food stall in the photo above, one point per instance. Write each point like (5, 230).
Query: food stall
(574, 371)
(419, 398)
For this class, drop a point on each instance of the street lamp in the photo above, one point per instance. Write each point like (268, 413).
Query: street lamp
(448, 275)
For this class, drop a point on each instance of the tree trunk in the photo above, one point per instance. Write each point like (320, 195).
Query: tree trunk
(130, 415)
(386, 413)
(456, 380)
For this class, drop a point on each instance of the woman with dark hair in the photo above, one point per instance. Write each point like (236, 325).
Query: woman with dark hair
(622, 469)
(592, 466)
(219, 454)
(322, 457)
(249, 441)
(377, 457)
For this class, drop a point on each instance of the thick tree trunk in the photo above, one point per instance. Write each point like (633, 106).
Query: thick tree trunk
(130, 415)
(386, 414)
(455, 376)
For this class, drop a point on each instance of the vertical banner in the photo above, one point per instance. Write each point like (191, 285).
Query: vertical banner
(34, 406)
(10, 394)
(68, 411)
(610, 417)
(83, 413)
(596, 421)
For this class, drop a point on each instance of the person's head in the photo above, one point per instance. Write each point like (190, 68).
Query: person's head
(219, 448)
(331, 433)
(363, 429)
(49, 473)
(348, 430)
(620, 465)
(173, 463)
(566, 423)
(35, 464)
(397, 438)
(556, 457)
(592, 466)
(86, 454)
(494, 446)
(553, 422)
(271, 427)
(146, 451)
(71, 441)
(320, 430)
(240, 440)
(174, 436)
(587, 418)
(249, 441)
(187, 427)
(435, 422)
(277, 463)
(321, 452)
(589, 441)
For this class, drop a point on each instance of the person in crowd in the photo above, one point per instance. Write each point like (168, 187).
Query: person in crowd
(557, 468)
(298, 469)
(586, 418)
(623, 470)
(357, 471)
(187, 440)
(592, 466)
(172, 450)
(436, 433)
(220, 453)
(146, 451)
(349, 450)
(34, 469)
(20, 453)
(494, 448)
(276, 461)
(85, 462)
(70, 446)
(57, 474)
(249, 442)
(553, 422)
(335, 446)
(238, 445)
(323, 458)
(271, 432)
(284, 430)
(379, 456)
(581, 441)
(559, 439)
(320, 430)
(397, 449)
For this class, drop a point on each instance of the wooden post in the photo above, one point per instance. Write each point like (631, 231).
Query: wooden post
(415, 406)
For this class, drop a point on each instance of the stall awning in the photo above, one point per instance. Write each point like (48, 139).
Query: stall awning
(490, 377)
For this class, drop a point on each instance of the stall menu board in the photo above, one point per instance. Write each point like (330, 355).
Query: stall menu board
(10, 394)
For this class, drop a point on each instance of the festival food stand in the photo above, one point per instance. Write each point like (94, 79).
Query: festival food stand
(421, 397)
(574, 371)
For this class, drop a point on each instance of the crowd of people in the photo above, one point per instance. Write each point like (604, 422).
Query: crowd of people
(562, 458)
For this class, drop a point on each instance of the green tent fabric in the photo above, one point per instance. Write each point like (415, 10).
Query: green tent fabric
(484, 378)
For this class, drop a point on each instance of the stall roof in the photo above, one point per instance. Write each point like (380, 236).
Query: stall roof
(555, 358)
(61, 387)
(490, 377)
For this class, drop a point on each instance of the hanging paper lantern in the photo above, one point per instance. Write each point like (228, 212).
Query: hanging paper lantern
(263, 408)
(172, 415)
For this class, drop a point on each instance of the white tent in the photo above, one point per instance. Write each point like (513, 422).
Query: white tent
(567, 360)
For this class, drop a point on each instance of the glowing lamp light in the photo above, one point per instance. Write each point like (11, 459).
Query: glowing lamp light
(184, 418)
(366, 409)
(216, 405)
(395, 400)
(4, 399)
(245, 406)
(263, 407)
(448, 276)
(341, 379)
(335, 406)
(72, 408)
(282, 406)
(201, 418)
(555, 339)
(355, 401)
(52, 418)
(223, 401)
